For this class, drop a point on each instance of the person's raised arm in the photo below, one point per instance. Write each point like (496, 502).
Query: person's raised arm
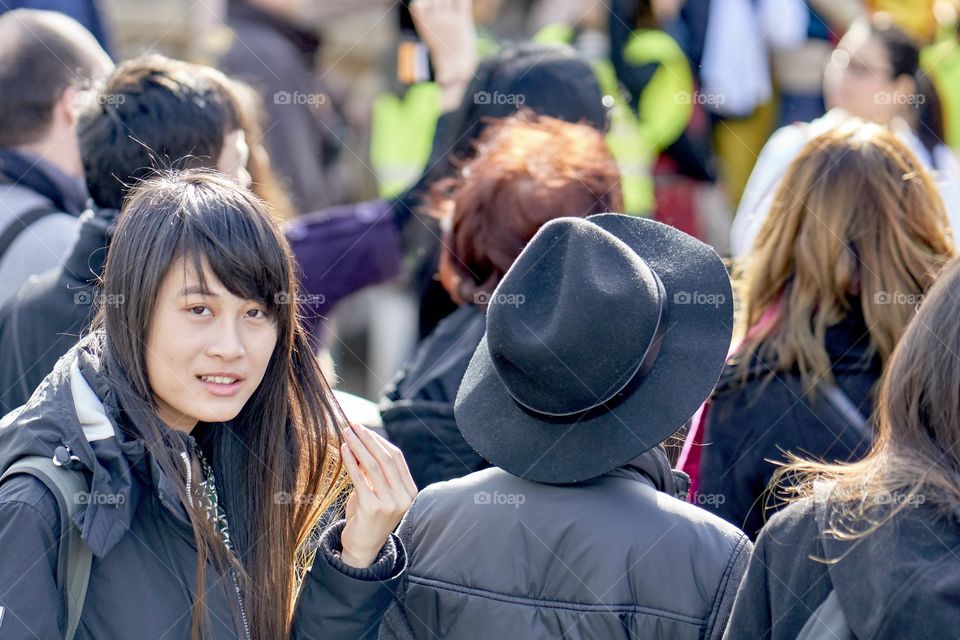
(447, 28)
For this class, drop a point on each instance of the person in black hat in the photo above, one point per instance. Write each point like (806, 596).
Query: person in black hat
(602, 339)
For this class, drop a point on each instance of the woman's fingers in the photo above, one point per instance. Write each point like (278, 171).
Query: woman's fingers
(391, 459)
(357, 476)
(387, 456)
(400, 464)
(377, 467)
(368, 462)
(384, 492)
(375, 452)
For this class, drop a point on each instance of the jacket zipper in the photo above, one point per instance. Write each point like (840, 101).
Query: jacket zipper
(186, 464)
(243, 609)
(233, 575)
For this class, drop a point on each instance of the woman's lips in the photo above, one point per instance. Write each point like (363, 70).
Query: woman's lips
(219, 388)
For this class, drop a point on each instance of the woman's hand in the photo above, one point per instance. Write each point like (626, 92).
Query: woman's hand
(447, 28)
(383, 491)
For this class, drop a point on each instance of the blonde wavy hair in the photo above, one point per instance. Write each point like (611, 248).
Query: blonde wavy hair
(914, 459)
(856, 220)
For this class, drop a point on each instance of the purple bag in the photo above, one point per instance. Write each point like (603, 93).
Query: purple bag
(340, 251)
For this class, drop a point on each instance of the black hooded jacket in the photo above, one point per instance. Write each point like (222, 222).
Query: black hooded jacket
(417, 407)
(142, 580)
(46, 317)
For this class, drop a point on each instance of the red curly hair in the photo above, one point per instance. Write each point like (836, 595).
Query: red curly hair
(527, 171)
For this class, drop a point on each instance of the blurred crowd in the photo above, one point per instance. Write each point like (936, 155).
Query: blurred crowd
(770, 315)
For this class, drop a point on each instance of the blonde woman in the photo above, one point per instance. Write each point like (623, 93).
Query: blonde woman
(856, 234)
(878, 538)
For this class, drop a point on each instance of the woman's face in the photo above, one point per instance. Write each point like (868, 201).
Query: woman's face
(859, 79)
(207, 351)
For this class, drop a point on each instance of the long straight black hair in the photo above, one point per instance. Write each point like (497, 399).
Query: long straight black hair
(276, 464)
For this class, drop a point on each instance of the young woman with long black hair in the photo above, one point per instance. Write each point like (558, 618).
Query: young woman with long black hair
(211, 444)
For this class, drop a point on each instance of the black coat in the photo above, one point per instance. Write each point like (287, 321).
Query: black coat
(49, 313)
(417, 408)
(901, 581)
(495, 556)
(144, 559)
(750, 425)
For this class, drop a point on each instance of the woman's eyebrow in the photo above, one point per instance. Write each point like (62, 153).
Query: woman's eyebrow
(198, 290)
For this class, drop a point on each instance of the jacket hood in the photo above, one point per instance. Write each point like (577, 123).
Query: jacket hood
(900, 576)
(74, 407)
(654, 466)
(86, 260)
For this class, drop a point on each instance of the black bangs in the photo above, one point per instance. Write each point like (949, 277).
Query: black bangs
(231, 234)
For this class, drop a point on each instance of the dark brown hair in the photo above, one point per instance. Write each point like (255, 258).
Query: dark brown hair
(527, 171)
(153, 113)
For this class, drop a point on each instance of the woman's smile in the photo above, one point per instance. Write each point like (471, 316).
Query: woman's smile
(221, 384)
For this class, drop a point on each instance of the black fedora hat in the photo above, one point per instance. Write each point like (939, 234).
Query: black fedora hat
(603, 338)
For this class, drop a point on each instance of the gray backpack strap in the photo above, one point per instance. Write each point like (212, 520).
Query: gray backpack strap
(828, 621)
(74, 558)
(845, 407)
(23, 220)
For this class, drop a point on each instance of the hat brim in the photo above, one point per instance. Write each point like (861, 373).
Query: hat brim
(694, 349)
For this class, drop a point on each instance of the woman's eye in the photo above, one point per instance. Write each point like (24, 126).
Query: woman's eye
(257, 313)
(199, 310)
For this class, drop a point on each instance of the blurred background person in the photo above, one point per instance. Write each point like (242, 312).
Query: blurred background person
(872, 75)
(48, 63)
(272, 46)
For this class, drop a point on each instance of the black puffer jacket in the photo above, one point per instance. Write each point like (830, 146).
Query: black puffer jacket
(749, 425)
(144, 560)
(900, 581)
(495, 556)
(417, 408)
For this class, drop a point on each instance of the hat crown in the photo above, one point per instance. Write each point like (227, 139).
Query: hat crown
(555, 354)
